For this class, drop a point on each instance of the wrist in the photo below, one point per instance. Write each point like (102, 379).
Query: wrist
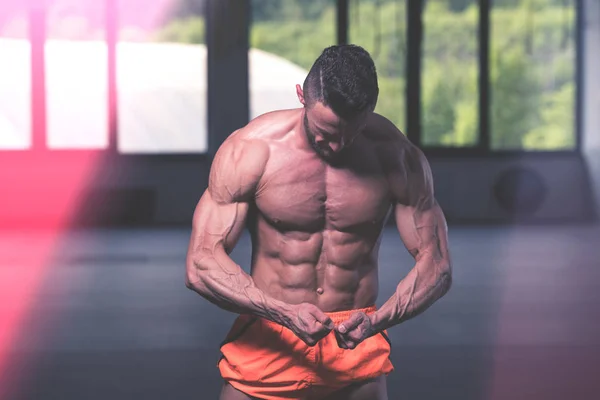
(379, 322)
(281, 313)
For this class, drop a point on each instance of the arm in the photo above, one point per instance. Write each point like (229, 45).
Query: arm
(218, 222)
(423, 230)
(422, 227)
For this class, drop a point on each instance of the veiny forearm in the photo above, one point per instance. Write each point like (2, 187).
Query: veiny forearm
(424, 285)
(224, 283)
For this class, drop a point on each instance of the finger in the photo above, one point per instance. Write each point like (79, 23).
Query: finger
(345, 343)
(350, 340)
(351, 323)
(319, 331)
(321, 334)
(310, 341)
(356, 335)
(312, 337)
(323, 318)
(341, 341)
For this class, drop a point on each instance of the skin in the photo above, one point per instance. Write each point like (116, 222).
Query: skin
(315, 192)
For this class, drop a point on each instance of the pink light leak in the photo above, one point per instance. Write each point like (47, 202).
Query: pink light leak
(42, 197)
(143, 14)
(41, 189)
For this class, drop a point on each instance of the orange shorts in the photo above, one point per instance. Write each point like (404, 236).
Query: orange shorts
(268, 361)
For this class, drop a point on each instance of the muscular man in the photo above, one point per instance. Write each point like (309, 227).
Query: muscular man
(315, 186)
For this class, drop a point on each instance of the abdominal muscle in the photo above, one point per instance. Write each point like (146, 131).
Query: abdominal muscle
(332, 270)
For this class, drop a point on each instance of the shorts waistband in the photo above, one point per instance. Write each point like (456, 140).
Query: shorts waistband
(340, 316)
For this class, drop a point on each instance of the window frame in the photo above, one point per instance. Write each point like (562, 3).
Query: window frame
(414, 75)
(483, 146)
(37, 37)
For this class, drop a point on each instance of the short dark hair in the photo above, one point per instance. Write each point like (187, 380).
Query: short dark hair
(344, 78)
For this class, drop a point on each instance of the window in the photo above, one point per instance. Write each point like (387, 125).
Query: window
(76, 62)
(286, 38)
(380, 27)
(161, 70)
(449, 74)
(161, 77)
(532, 75)
(15, 77)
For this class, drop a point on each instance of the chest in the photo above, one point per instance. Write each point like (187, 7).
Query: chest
(306, 194)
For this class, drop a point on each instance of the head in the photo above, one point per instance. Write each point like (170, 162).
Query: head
(339, 94)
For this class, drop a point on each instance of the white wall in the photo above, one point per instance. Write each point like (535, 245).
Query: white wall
(591, 92)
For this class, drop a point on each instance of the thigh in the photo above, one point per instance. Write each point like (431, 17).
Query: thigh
(372, 389)
(228, 392)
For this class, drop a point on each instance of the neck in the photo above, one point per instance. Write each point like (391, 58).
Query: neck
(300, 133)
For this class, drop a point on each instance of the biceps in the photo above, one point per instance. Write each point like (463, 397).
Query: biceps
(424, 232)
(217, 226)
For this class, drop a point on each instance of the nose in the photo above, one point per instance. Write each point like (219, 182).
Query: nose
(335, 146)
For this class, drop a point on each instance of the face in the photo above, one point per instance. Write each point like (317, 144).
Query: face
(328, 134)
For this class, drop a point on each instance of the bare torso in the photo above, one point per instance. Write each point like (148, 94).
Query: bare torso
(316, 228)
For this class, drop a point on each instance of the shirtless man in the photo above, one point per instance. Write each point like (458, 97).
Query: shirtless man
(315, 186)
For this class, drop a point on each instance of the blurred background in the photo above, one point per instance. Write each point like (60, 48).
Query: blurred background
(111, 112)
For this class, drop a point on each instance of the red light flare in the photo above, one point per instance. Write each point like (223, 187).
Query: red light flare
(40, 197)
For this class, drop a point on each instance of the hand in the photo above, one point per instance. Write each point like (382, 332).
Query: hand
(309, 323)
(354, 330)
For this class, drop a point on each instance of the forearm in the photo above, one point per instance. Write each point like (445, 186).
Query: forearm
(224, 283)
(423, 286)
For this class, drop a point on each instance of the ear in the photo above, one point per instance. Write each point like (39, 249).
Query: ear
(300, 94)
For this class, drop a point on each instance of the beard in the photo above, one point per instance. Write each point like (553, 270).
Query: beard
(322, 151)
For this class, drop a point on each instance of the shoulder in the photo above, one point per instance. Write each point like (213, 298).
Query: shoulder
(382, 130)
(404, 163)
(392, 146)
(271, 126)
(240, 161)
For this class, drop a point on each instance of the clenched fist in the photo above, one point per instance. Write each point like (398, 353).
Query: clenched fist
(354, 330)
(308, 322)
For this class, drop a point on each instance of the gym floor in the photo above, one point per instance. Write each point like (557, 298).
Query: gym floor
(111, 318)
